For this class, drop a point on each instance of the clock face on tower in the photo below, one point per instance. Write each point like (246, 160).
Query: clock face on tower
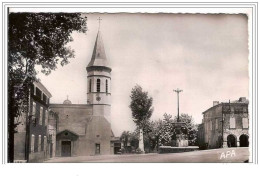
(98, 98)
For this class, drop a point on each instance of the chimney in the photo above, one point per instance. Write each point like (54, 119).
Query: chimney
(242, 99)
(215, 103)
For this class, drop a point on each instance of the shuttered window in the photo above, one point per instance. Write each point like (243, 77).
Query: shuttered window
(32, 143)
(245, 123)
(41, 115)
(39, 143)
(232, 123)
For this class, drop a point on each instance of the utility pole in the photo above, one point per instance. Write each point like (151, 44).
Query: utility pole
(178, 91)
(28, 127)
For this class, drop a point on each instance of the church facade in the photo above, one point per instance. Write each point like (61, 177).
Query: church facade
(85, 129)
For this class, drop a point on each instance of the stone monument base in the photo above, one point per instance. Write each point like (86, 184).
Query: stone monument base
(180, 143)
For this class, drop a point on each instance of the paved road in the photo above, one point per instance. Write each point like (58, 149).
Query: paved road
(227, 155)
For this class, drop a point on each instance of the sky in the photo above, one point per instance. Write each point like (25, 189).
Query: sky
(204, 55)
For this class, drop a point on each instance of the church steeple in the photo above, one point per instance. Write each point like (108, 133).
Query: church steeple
(99, 79)
(99, 55)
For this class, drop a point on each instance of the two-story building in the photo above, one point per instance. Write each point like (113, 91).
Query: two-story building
(225, 125)
(30, 141)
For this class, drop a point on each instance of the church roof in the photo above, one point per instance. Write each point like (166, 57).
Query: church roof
(98, 56)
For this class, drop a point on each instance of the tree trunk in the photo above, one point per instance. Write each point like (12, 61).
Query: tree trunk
(11, 126)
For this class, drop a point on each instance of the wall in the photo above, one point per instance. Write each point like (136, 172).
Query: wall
(213, 126)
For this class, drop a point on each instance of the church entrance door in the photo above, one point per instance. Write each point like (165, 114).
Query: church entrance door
(66, 148)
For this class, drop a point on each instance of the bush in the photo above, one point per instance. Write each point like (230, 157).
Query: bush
(122, 150)
(138, 151)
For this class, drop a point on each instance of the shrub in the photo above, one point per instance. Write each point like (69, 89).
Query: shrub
(122, 150)
(138, 151)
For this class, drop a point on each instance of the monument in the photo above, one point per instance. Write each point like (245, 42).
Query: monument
(180, 138)
(180, 142)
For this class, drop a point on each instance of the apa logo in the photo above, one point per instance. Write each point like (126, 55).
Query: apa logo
(228, 154)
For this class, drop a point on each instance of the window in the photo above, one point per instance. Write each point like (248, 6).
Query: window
(32, 143)
(34, 109)
(44, 98)
(89, 88)
(39, 143)
(232, 123)
(216, 124)
(245, 123)
(98, 85)
(106, 86)
(45, 144)
(41, 115)
(38, 93)
(46, 117)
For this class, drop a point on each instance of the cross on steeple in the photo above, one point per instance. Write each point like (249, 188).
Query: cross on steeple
(67, 97)
(99, 19)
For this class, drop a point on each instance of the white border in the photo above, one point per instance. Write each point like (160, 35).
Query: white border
(129, 176)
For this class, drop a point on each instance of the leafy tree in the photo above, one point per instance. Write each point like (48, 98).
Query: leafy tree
(192, 128)
(125, 137)
(129, 138)
(134, 139)
(35, 39)
(152, 134)
(166, 132)
(141, 107)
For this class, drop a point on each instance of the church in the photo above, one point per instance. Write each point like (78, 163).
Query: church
(85, 129)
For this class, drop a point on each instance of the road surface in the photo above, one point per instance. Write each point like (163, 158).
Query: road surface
(226, 155)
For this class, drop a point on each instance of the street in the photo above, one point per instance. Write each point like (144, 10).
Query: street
(224, 155)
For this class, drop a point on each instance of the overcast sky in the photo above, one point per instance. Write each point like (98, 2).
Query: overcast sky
(204, 55)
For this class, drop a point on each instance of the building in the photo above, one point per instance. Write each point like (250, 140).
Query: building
(225, 125)
(85, 129)
(30, 141)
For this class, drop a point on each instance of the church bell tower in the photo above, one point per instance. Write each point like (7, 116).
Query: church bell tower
(99, 80)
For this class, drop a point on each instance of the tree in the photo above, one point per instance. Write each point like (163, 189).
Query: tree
(134, 140)
(166, 131)
(192, 128)
(125, 137)
(141, 107)
(35, 39)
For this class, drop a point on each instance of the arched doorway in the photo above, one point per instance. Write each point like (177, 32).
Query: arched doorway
(243, 141)
(231, 141)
